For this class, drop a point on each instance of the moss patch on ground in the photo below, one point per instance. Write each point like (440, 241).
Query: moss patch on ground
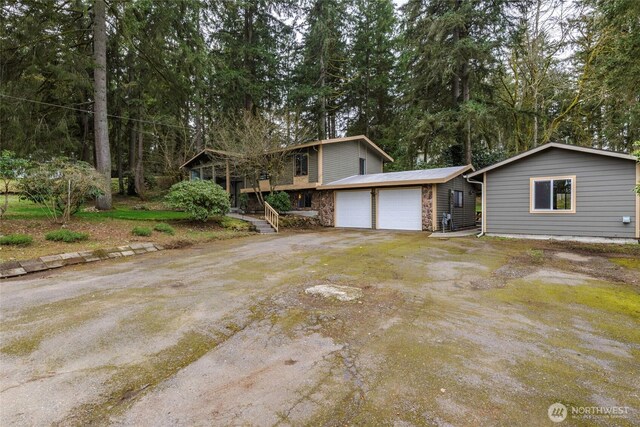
(631, 263)
(601, 296)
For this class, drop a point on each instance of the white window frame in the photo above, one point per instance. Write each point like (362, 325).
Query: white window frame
(532, 182)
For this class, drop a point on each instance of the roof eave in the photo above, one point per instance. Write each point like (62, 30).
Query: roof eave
(399, 182)
(553, 145)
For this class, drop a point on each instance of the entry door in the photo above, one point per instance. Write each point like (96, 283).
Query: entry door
(353, 209)
(400, 209)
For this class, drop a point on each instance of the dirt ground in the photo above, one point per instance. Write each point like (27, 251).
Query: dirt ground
(446, 332)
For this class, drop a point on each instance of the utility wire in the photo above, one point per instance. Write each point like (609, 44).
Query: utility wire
(66, 107)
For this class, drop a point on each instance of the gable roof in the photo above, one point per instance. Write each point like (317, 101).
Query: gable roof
(422, 176)
(344, 139)
(296, 147)
(208, 151)
(554, 145)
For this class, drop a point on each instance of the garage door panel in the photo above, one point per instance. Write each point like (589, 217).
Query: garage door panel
(353, 209)
(400, 209)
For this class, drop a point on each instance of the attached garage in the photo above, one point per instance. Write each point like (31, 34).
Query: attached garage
(353, 209)
(409, 200)
(400, 209)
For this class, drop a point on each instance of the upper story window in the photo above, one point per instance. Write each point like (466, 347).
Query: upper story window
(363, 166)
(458, 199)
(301, 164)
(555, 194)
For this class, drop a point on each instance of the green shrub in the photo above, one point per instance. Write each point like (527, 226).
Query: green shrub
(165, 228)
(141, 231)
(66, 236)
(280, 201)
(16, 240)
(200, 199)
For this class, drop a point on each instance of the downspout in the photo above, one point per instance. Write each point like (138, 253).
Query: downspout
(471, 181)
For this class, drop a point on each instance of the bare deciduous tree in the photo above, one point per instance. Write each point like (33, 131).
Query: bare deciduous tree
(258, 147)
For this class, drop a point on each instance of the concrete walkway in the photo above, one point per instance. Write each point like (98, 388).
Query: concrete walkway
(461, 233)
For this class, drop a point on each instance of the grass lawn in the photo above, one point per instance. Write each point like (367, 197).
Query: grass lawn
(108, 228)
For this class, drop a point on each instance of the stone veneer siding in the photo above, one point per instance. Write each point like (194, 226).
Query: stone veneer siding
(322, 201)
(427, 208)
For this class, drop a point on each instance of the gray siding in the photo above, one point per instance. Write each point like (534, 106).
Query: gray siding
(286, 178)
(374, 161)
(313, 164)
(341, 160)
(603, 196)
(462, 217)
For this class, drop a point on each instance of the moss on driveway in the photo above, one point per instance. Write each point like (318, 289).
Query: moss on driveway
(462, 332)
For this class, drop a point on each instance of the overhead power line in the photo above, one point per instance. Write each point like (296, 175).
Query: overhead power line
(66, 107)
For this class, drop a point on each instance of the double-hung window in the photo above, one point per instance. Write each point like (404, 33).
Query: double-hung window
(301, 164)
(555, 194)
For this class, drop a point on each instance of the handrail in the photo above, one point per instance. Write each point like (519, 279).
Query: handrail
(271, 216)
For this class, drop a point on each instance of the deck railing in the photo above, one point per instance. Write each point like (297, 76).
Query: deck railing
(271, 215)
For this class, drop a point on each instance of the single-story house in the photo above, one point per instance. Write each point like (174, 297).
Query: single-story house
(410, 200)
(561, 190)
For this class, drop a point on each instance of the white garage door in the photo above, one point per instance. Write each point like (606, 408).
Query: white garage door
(400, 209)
(353, 209)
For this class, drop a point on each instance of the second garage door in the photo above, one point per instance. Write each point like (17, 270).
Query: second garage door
(353, 209)
(400, 209)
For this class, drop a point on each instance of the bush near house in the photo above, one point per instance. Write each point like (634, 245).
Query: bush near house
(280, 201)
(199, 199)
(66, 236)
(16, 240)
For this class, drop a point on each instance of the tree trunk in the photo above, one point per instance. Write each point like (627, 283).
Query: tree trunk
(248, 57)
(139, 174)
(85, 155)
(465, 99)
(322, 119)
(101, 127)
(119, 160)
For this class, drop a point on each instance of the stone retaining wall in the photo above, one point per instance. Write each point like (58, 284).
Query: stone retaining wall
(19, 268)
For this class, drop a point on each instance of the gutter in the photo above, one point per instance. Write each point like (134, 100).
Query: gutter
(471, 181)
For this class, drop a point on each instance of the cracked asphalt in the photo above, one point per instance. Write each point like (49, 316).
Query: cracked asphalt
(447, 332)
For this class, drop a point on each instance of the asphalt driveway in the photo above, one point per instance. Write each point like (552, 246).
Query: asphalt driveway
(447, 332)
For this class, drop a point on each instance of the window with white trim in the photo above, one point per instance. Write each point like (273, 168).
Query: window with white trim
(553, 194)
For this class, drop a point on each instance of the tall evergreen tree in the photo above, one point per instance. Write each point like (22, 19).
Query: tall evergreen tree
(450, 47)
(322, 70)
(101, 126)
(370, 87)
